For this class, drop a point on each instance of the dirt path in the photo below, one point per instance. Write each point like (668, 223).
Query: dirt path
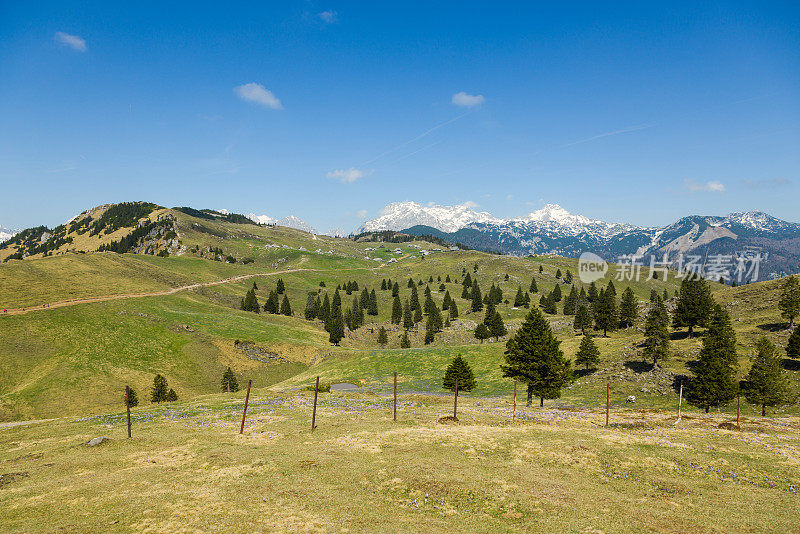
(104, 298)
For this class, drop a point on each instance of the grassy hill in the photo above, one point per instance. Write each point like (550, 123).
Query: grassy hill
(75, 359)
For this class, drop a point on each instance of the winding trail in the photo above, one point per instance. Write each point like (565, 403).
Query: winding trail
(105, 298)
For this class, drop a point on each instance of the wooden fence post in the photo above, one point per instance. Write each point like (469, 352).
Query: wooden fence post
(128, 408)
(314, 413)
(738, 407)
(455, 402)
(514, 413)
(608, 401)
(680, 402)
(395, 396)
(246, 400)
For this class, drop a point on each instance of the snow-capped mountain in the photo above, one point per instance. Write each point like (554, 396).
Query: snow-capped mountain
(554, 230)
(6, 234)
(336, 232)
(402, 215)
(295, 222)
(261, 219)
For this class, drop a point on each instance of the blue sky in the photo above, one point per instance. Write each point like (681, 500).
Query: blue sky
(638, 112)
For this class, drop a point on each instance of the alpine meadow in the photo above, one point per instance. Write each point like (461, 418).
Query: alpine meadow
(577, 310)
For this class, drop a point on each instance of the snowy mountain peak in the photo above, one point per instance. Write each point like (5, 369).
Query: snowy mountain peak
(261, 219)
(402, 215)
(6, 234)
(553, 213)
(297, 223)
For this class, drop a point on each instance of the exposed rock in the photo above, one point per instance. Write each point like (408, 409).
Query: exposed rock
(631, 399)
(254, 352)
(97, 441)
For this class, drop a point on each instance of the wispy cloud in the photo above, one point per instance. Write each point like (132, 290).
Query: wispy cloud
(329, 17)
(465, 100)
(348, 176)
(713, 186)
(258, 94)
(72, 41)
(361, 214)
(65, 166)
(612, 132)
(768, 182)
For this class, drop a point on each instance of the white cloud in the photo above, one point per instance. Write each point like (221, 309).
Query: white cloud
(348, 176)
(329, 17)
(470, 204)
(72, 41)
(361, 214)
(255, 92)
(713, 186)
(464, 100)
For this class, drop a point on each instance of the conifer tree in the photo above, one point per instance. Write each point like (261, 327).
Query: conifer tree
(541, 269)
(286, 308)
(383, 284)
(527, 302)
(397, 311)
(160, 390)
(653, 295)
(131, 398)
(612, 288)
(467, 281)
(665, 297)
(364, 300)
(789, 302)
(280, 287)
(171, 396)
(358, 314)
(605, 312)
(628, 309)
(570, 302)
(372, 307)
(558, 273)
(414, 298)
(534, 357)
(489, 314)
(429, 304)
(447, 279)
(588, 353)
(497, 328)
(713, 383)
(229, 382)
(325, 309)
(519, 298)
(557, 293)
(410, 283)
(533, 287)
(482, 332)
(465, 293)
(408, 319)
(405, 343)
(336, 329)
(568, 277)
(765, 384)
(656, 332)
(310, 312)
(793, 345)
(336, 301)
(694, 303)
(446, 300)
(383, 339)
(453, 309)
(461, 370)
(395, 290)
(417, 315)
(477, 298)
(430, 330)
(272, 306)
(583, 319)
(592, 295)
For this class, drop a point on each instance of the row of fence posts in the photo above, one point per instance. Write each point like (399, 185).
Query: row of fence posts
(394, 404)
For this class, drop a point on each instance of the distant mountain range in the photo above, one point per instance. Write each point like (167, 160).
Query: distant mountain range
(6, 234)
(553, 230)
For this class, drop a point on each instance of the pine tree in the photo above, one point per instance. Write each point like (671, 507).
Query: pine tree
(593, 294)
(383, 339)
(336, 301)
(430, 330)
(656, 332)
(612, 288)
(383, 284)
(286, 308)
(789, 302)
(272, 306)
(447, 279)
(533, 287)
(461, 370)
(467, 281)
(250, 302)
(408, 319)
(310, 312)
(570, 302)
(568, 277)
(694, 303)
(558, 273)
(557, 293)
(417, 315)
(159, 391)
(665, 297)
(131, 398)
(765, 384)
(583, 319)
(414, 299)
(588, 353)
(605, 312)
(653, 295)
(410, 283)
(713, 383)
(465, 293)
(229, 382)
(405, 343)
(541, 269)
(482, 332)
(325, 309)
(280, 287)
(429, 304)
(793, 345)
(397, 311)
(477, 298)
(171, 395)
(395, 290)
(534, 357)
(628, 309)
(453, 310)
(519, 298)
(489, 314)
(497, 328)
(364, 300)
(372, 307)
(336, 328)
(446, 301)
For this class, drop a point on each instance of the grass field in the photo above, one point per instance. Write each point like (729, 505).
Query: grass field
(188, 469)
